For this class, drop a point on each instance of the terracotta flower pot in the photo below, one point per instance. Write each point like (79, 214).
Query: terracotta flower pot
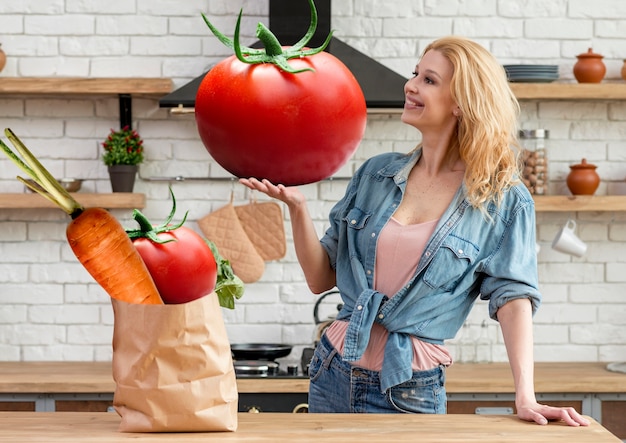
(589, 68)
(122, 177)
(583, 179)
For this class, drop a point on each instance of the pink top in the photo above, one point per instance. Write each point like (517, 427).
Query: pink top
(398, 252)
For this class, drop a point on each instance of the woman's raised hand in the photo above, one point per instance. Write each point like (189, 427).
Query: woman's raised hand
(288, 195)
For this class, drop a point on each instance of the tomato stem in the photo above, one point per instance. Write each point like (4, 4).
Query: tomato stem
(269, 40)
(148, 230)
(273, 51)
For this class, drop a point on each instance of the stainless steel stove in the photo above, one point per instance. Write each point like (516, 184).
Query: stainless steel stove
(265, 369)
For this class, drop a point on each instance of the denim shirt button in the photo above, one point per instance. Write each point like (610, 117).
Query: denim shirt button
(460, 251)
(381, 316)
(373, 234)
(360, 307)
(427, 254)
(353, 222)
(369, 272)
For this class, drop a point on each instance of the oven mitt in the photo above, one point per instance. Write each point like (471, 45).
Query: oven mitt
(223, 228)
(263, 223)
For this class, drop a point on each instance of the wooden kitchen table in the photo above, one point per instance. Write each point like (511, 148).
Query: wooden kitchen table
(93, 427)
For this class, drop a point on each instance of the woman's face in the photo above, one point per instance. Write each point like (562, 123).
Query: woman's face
(428, 102)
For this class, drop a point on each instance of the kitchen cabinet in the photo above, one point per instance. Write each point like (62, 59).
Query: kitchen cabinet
(19, 405)
(614, 415)
(499, 407)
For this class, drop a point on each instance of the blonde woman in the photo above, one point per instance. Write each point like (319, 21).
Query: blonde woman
(417, 238)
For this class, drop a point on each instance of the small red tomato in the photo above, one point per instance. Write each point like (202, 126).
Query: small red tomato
(184, 269)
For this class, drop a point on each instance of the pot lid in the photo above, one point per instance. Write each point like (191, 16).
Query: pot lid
(583, 165)
(589, 54)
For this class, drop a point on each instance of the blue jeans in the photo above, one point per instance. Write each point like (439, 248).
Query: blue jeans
(337, 386)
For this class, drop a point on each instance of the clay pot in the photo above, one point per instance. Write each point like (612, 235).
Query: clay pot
(624, 70)
(3, 58)
(583, 179)
(589, 68)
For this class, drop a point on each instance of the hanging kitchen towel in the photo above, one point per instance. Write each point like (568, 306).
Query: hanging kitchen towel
(173, 368)
(224, 229)
(263, 223)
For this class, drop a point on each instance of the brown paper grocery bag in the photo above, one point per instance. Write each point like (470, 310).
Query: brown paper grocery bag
(173, 368)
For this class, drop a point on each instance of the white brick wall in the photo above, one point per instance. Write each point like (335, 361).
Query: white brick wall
(51, 309)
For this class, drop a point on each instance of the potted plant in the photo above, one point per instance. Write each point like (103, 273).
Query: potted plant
(123, 152)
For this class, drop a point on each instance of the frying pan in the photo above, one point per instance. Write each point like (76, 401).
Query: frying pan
(259, 351)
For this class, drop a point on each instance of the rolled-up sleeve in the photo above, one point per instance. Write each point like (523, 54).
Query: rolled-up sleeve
(511, 273)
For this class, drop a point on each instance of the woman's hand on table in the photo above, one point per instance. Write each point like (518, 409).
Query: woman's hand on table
(541, 414)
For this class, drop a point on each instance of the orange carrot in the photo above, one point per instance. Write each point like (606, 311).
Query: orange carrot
(98, 240)
(101, 244)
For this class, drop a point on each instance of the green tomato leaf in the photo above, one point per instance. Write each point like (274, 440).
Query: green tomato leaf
(229, 287)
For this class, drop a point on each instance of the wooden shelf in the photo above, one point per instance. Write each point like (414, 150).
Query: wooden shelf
(116, 200)
(569, 203)
(569, 91)
(63, 86)
(161, 86)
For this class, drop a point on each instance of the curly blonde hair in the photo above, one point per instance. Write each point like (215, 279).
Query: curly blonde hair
(486, 135)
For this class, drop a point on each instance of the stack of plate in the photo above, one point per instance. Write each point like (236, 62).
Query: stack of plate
(532, 73)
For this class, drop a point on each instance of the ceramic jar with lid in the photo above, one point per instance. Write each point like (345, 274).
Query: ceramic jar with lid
(583, 178)
(3, 58)
(589, 68)
(535, 159)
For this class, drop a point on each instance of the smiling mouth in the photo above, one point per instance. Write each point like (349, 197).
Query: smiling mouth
(413, 104)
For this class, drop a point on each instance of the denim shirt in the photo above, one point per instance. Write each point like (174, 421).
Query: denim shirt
(467, 256)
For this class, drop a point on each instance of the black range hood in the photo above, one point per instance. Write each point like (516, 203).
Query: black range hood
(288, 20)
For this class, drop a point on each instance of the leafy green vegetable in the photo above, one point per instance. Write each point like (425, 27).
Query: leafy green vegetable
(228, 287)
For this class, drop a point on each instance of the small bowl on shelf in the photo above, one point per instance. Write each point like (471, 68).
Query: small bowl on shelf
(69, 184)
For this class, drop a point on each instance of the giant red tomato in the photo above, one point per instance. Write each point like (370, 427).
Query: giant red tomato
(184, 269)
(260, 121)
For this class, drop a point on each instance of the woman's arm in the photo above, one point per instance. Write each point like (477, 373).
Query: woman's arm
(311, 254)
(515, 319)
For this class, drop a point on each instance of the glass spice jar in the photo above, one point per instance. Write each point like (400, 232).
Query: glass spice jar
(535, 160)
